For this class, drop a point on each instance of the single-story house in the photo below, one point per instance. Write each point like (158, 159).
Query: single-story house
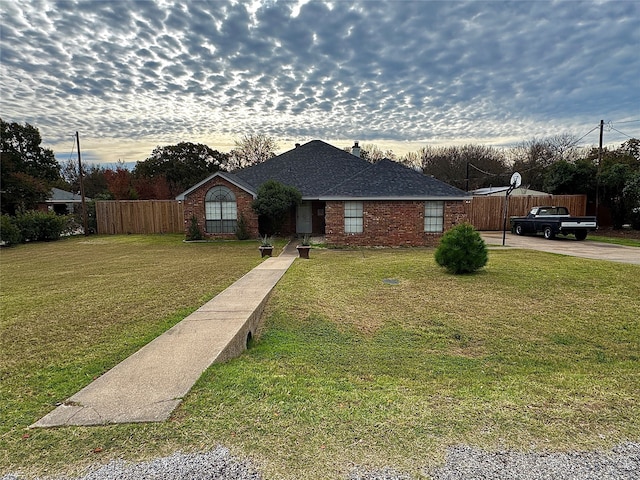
(344, 198)
(62, 202)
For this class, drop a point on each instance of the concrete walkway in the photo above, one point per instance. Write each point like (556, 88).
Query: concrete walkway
(149, 385)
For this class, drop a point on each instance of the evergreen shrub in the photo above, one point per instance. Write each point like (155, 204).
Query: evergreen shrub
(194, 233)
(242, 231)
(462, 250)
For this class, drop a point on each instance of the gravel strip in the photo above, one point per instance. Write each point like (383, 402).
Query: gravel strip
(468, 463)
(462, 463)
(622, 463)
(215, 465)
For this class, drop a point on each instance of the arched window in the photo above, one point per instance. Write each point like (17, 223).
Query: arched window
(221, 212)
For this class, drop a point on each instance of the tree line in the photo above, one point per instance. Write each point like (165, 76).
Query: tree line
(29, 171)
(556, 165)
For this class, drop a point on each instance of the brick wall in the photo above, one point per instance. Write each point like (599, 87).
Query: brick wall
(194, 205)
(390, 223)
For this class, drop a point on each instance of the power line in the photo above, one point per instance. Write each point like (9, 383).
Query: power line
(486, 173)
(594, 128)
(73, 147)
(616, 130)
(627, 121)
(611, 127)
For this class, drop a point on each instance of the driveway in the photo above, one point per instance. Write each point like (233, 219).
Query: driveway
(567, 246)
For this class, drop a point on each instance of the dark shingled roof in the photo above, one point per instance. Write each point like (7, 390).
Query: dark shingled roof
(390, 179)
(313, 168)
(321, 170)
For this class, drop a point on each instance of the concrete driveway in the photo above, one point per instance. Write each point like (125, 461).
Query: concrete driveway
(567, 246)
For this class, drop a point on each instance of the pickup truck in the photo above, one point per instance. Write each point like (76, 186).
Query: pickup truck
(552, 221)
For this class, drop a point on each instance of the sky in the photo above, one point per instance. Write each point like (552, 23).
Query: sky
(133, 75)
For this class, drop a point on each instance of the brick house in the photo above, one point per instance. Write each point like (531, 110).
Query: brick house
(344, 198)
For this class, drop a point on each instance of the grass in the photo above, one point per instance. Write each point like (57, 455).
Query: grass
(538, 351)
(628, 242)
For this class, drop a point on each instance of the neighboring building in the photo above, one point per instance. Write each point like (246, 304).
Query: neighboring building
(345, 198)
(501, 191)
(62, 202)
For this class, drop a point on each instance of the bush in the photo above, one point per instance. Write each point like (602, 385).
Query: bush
(9, 232)
(194, 232)
(37, 226)
(242, 231)
(78, 217)
(462, 250)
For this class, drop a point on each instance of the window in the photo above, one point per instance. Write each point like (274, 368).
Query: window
(220, 210)
(433, 217)
(352, 217)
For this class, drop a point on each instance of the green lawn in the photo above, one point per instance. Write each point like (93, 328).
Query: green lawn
(629, 242)
(537, 351)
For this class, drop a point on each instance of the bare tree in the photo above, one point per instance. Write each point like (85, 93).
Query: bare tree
(486, 165)
(533, 157)
(411, 160)
(372, 153)
(252, 149)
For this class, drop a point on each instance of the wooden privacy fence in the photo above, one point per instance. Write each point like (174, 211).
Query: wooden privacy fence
(487, 213)
(140, 216)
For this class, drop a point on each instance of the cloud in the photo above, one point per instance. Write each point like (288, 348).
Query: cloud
(377, 71)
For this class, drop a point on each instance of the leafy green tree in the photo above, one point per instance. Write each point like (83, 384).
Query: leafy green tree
(565, 178)
(617, 167)
(631, 149)
(613, 179)
(273, 203)
(94, 179)
(631, 195)
(27, 170)
(181, 166)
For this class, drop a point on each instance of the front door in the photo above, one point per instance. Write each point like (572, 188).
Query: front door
(304, 223)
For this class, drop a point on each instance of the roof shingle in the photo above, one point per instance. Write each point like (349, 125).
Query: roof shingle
(322, 171)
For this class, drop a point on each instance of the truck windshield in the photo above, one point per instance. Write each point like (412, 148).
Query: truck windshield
(549, 211)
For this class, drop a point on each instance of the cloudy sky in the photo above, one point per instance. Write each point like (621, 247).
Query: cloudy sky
(130, 75)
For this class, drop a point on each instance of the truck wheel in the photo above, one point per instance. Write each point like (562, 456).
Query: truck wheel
(519, 229)
(581, 234)
(548, 233)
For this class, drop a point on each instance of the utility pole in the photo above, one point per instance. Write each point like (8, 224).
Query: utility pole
(84, 203)
(467, 176)
(599, 166)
